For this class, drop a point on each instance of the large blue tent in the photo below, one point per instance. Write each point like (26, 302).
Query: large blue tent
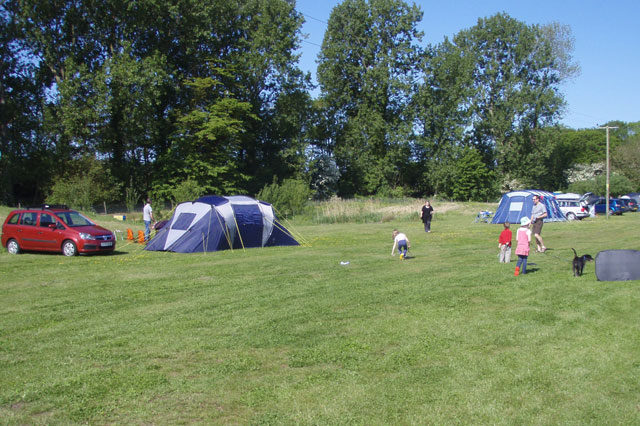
(518, 204)
(213, 223)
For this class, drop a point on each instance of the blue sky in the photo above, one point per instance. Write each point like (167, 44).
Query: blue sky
(607, 46)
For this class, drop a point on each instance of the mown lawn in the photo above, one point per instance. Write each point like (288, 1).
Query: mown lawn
(289, 335)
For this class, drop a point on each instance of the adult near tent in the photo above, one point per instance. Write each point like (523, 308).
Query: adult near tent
(213, 223)
(518, 204)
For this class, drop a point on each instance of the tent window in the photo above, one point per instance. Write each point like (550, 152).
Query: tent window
(183, 222)
(517, 206)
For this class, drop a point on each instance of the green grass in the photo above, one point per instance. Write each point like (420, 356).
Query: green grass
(288, 335)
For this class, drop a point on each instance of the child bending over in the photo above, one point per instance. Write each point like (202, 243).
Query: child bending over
(401, 242)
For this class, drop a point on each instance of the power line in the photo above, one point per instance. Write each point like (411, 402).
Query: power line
(315, 19)
(310, 42)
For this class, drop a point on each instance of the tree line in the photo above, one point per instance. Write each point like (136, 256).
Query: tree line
(110, 100)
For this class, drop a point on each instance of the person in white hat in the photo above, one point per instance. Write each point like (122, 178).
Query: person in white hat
(523, 238)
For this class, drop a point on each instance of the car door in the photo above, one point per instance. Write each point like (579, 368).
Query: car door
(28, 231)
(49, 236)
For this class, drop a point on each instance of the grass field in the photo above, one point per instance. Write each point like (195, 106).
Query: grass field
(289, 335)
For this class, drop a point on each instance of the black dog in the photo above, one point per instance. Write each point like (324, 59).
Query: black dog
(578, 263)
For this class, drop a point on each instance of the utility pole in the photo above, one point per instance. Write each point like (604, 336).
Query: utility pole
(607, 127)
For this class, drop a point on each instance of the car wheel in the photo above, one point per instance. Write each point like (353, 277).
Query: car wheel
(13, 247)
(69, 248)
(571, 216)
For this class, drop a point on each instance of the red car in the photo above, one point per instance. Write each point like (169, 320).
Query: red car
(55, 228)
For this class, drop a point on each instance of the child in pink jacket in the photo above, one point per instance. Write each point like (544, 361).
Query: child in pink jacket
(523, 238)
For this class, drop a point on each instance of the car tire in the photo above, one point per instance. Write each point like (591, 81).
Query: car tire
(571, 216)
(69, 248)
(13, 247)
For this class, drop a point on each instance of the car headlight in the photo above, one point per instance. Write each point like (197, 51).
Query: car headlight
(85, 236)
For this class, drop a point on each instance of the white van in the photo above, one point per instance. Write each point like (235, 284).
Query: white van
(572, 205)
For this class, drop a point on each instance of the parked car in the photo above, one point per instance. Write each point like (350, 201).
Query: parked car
(631, 203)
(635, 196)
(57, 229)
(628, 204)
(572, 206)
(600, 206)
(624, 207)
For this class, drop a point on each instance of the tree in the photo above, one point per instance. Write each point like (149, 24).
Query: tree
(365, 70)
(441, 117)
(618, 185)
(515, 89)
(209, 137)
(626, 160)
(117, 78)
(471, 179)
(84, 185)
(289, 198)
(324, 177)
(26, 157)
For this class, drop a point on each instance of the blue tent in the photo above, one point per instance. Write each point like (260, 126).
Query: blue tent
(215, 223)
(518, 204)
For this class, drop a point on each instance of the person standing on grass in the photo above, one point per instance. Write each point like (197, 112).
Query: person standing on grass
(425, 215)
(523, 238)
(147, 217)
(504, 244)
(538, 213)
(401, 242)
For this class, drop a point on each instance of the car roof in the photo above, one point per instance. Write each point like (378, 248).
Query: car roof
(52, 209)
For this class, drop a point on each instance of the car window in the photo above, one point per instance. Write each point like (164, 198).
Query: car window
(29, 218)
(46, 219)
(13, 220)
(74, 219)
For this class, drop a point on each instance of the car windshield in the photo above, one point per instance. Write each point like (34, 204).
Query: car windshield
(74, 219)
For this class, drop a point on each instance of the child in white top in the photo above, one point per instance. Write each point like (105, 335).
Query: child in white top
(401, 242)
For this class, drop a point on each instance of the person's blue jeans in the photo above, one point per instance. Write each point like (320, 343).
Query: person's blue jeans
(522, 263)
(147, 229)
(402, 247)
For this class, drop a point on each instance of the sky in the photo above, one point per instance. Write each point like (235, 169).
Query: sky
(607, 46)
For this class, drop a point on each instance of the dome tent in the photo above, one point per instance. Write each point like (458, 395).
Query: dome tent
(213, 223)
(518, 204)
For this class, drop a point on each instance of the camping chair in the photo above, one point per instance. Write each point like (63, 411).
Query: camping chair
(483, 216)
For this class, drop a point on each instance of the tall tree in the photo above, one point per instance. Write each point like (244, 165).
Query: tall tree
(365, 70)
(515, 86)
(119, 78)
(25, 156)
(442, 116)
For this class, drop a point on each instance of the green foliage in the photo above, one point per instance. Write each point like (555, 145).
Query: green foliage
(618, 185)
(472, 181)
(123, 80)
(205, 153)
(27, 161)
(289, 198)
(365, 70)
(389, 192)
(84, 185)
(626, 159)
(131, 196)
(179, 191)
(225, 107)
(187, 190)
(324, 177)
